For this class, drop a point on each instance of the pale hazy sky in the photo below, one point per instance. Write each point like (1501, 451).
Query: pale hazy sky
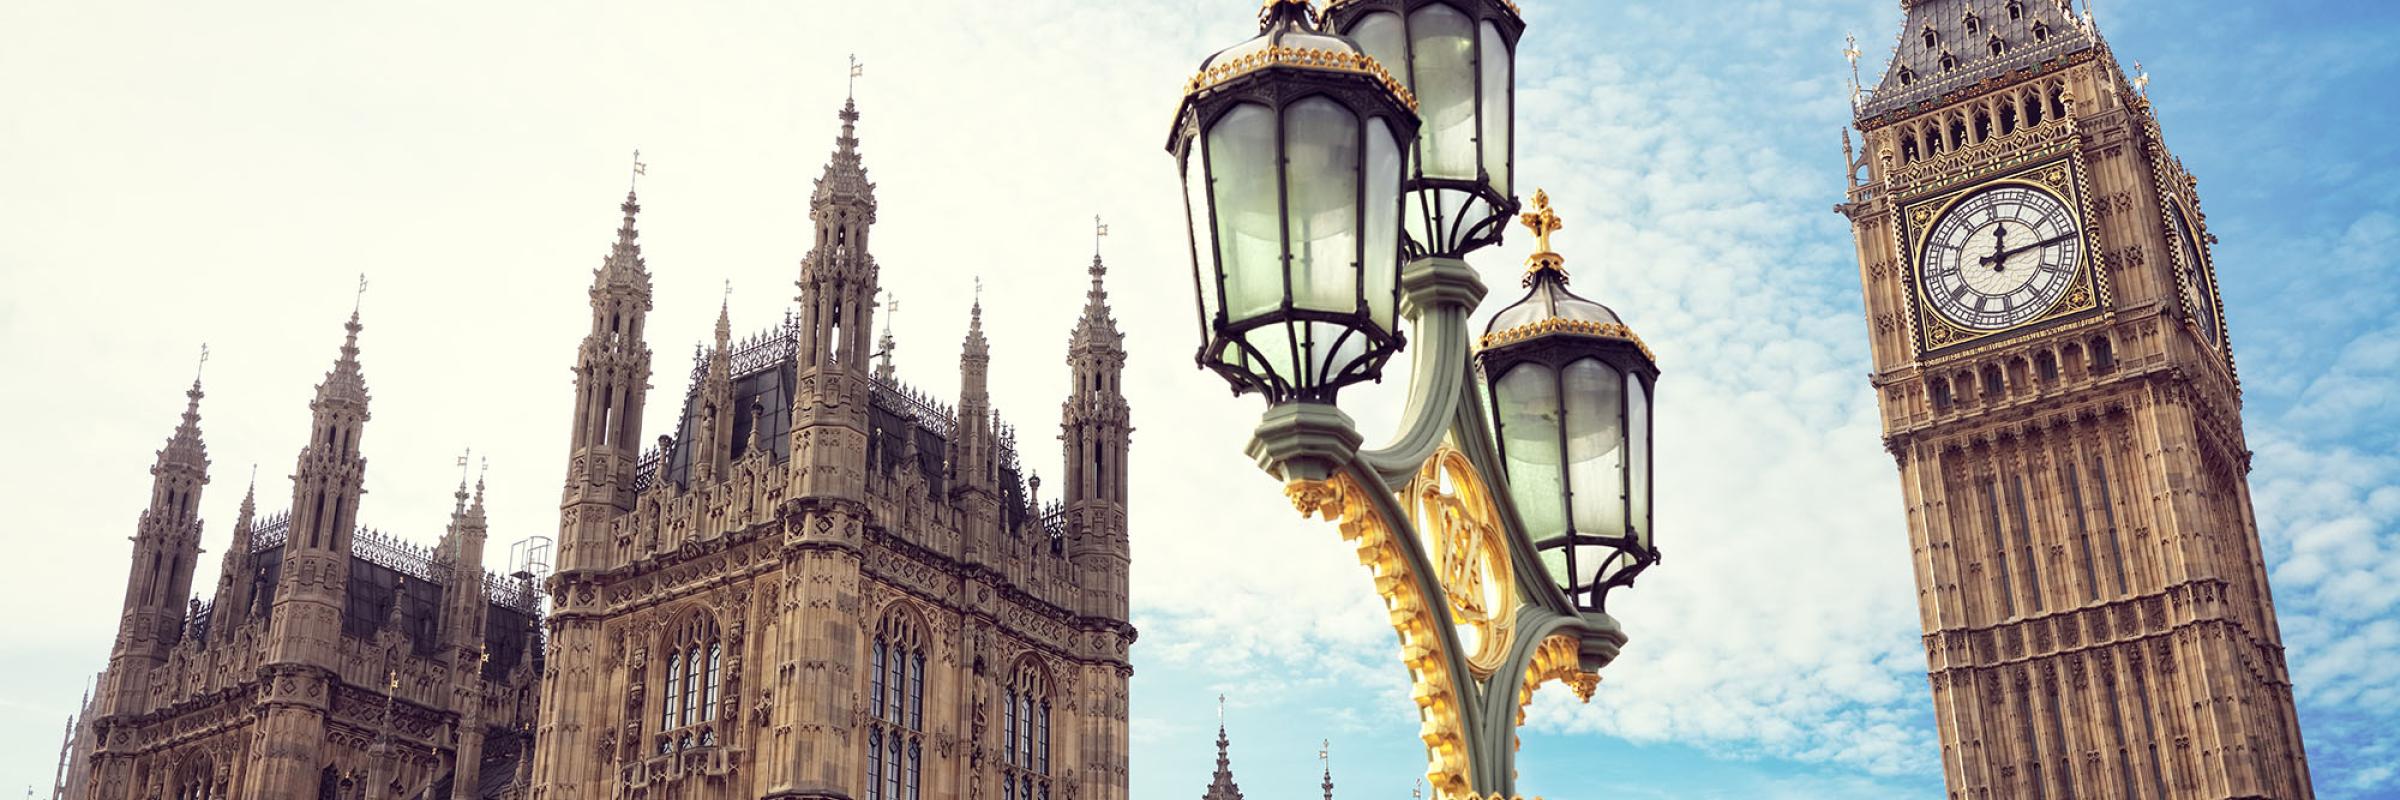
(172, 175)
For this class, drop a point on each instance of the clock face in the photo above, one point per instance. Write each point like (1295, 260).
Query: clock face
(2198, 294)
(2000, 257)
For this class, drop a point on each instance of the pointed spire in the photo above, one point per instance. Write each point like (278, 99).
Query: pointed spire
(725, 319)
(624, 264)
(475, 511)
(884, 343)
(845, 179)
(1325, 755)
(976, 345)
(1222, 787)
(346, 382)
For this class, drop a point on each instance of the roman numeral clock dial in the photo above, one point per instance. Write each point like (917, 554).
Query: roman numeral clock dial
(2000, 257)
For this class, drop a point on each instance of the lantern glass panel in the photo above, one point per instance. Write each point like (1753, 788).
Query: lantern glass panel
(1595, 393)
(1241, 167)
(1527, 401)
(1382, 269)
(1321, 163)
(1444, 66)
(1274, 356)
(1381, 36)
(1498, 90)
(1204, 241)
(1330, 347)
(1637, 431)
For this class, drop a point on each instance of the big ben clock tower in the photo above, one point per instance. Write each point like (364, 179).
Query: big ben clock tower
(2061, 400)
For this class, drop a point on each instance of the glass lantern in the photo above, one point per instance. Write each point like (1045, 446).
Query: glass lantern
(1459, 58)
(1571, 390)
(1291, 147)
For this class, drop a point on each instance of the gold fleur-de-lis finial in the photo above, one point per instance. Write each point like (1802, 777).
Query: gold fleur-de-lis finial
(1542, 221)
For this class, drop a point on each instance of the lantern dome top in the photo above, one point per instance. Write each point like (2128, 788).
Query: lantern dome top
(1290, 35)
(1548, 308)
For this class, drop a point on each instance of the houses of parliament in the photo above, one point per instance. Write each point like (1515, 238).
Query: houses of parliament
(820, 584)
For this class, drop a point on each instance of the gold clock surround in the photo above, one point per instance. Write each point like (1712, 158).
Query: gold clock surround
(2057, 176)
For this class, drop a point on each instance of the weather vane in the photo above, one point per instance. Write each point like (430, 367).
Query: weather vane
(2141, 80)
(1099, 229)
(857, 68)
(639, 169)
(1850, 51)
(462, 465)
(362, 294)
(203, 363)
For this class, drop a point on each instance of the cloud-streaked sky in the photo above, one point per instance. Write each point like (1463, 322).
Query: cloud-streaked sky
(171, 175)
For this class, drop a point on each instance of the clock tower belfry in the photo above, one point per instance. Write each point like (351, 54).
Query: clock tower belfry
(2060, 398)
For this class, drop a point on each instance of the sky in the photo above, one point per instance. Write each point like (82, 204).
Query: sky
(171, 175)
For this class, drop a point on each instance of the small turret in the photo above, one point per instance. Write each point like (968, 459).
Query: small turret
(1096, 427)
(166, 547)
(327, 483)
(612, 374)
(231, 608)
(837, 310)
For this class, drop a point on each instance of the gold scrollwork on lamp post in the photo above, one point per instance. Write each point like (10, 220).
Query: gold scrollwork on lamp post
(1436, 690)
(1454, 513)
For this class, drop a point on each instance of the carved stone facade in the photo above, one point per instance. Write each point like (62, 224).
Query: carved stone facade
(823, 583)
(332, 661)
(2095, 604)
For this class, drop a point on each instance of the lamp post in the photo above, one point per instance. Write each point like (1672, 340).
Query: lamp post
(1337, 170)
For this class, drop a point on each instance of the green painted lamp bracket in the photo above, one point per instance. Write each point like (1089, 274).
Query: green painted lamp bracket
(1316, 441)
(1437, 295)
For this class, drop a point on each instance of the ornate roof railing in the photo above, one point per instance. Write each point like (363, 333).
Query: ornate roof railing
(270, 531)
(911, 402)
(511, 593)
(1054, 519)
(389, 551)
(645, 469)
(754, 354)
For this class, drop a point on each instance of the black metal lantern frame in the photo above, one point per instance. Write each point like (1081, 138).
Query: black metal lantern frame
(1454, 211)
(1295, 349)
(1625, 553)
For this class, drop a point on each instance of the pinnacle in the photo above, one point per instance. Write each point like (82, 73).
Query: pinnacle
(724, 324)
(624, 261)
(346, 381)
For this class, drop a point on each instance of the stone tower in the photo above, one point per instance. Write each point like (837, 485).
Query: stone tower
(166, 547)
(824, 583)
(2061, 401)
(612, 379)
(307, 620)
(332, 661)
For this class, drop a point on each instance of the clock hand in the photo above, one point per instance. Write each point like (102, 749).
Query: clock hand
(1999, 259)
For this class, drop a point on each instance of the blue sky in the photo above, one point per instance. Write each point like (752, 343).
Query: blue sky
(175, 176)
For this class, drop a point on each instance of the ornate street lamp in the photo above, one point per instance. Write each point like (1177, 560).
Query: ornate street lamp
(1493, 557)
(1459, 57)
(1291, 147)
(1571, 392)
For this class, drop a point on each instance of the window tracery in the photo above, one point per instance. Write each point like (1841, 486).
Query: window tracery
(1025, 732)
(688, 697)
(896, 709)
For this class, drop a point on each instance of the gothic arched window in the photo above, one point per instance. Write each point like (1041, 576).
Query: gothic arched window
(688, 707)
(1025, 744)
(896, 709)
